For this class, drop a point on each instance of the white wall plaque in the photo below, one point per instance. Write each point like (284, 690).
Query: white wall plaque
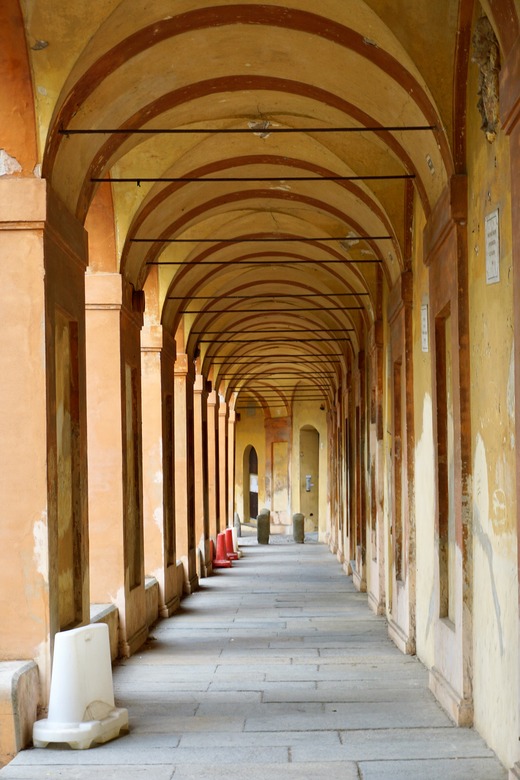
(492, 248)
(424, 327)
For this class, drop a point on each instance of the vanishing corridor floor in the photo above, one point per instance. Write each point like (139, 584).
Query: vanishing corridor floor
(274, 669)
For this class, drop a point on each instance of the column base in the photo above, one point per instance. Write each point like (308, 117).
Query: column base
(459, 709)
(167, 610)
(191, 585)
(514, 772)
(347, 568)
(131, 645)
(359, 581)
(404, 642)
(19, 699)
(376, 604)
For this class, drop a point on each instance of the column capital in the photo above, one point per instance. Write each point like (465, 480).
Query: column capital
(184, 367)
(212, 398)
(103, 291)
(23, 203)
(111, 291)
(152, 338)
(29, 203)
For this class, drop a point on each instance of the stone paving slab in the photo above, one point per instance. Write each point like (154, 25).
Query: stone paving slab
(312, 771)
(275, 670)
(267, 738)
(450, 769)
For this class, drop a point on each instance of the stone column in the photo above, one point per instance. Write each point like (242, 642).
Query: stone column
(200, 423)
(213, 467)
(231, 470)
(184, 471)
(43, 451)
(223, 463)
(158, 361)
(114, 319)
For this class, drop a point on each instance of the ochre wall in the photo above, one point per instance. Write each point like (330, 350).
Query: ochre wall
(253, 430)
(250, 431)
(495, 609)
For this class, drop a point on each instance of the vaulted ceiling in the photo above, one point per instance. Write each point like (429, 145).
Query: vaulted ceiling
(264, 161)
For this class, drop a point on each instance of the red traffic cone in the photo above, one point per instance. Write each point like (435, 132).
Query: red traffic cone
(230, 549)
(221, 560)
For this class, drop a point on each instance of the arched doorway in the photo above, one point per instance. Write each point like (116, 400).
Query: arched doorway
(310, 476)
(250, 483)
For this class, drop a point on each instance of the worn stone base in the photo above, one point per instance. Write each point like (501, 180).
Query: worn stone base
(201, 564)
(400, 638)
(514, 772)
(347, 568)
(359, 581)
(376, 604)
(131, 645)
(168, 609)
(19, 699)
(460, 710)
(152, 600)
(191, 585)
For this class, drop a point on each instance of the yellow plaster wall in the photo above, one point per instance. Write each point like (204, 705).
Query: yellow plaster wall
(249, 430)
(309, 413)
(424, 458)
(495, 615)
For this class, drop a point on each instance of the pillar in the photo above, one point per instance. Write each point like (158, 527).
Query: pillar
(200, 423)
(376, 594)
(114, 319)
(223, 463)
(184, 471)
(43, 446)
(445, 254)
(231, 468)
(213, 466)
(158, 361)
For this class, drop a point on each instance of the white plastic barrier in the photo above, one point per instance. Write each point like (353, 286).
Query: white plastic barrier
(81, 705)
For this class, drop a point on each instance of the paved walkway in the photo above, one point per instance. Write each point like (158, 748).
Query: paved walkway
(276, 669)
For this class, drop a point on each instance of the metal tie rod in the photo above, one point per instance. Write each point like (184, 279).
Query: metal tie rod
(280, 239)
(235, 179)
(256, 129)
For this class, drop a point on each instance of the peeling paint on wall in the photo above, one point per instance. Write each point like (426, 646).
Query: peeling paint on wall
(8, 164)
(511, 393)
(481, 522)
(158, 517)
(42, 658)
(425, 524)
(41, 547)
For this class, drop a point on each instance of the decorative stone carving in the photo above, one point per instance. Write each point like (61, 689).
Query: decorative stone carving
(486, 54)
